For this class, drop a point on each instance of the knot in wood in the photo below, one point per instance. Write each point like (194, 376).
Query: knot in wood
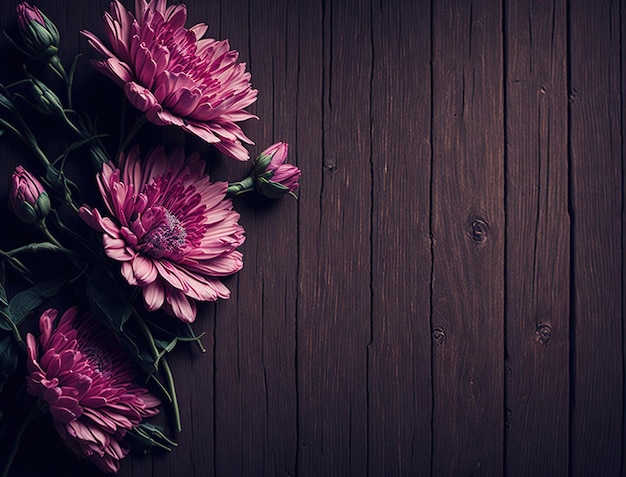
(478, 230)
(543, 332)
(330, 167)
(439, 335)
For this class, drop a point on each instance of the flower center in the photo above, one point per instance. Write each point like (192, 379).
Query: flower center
(168, 237)
(98, 359)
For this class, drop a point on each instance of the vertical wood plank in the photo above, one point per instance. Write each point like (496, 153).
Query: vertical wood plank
(537, 237)
(623, 217)
(273, 269)
(596, 209)
(334, 306)
(468, 238)
(255, 368)
(400, 384)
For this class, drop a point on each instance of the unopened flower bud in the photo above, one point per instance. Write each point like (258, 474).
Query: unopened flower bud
(272, 177)
(40, 37)
(270, 159)
(27, 197)
(44, 99)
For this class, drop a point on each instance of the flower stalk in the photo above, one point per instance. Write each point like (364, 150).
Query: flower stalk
(169, 377)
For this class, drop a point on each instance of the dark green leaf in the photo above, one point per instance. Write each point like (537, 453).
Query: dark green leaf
(6, 320)
(8, 359)
(107, 300)
(112, 308)
(26, 301)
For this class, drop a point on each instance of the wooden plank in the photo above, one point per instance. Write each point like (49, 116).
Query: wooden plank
(468, 238)
(596, 209)
(537, 237)
(399, 376)
(623, 184)
(334, 303)
(255, 409)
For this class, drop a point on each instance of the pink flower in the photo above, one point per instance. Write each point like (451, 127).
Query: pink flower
(172, 229)
(80, 370)
(40, 36)
(27, 197)
(274, 178)
(174, 76)
(27, 13)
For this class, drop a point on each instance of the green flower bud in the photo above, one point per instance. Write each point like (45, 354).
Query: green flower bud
(40, 37)
(272, 177)
(27, 198)
(45, 100)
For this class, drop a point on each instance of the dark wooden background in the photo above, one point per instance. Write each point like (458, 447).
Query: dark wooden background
(446, 297)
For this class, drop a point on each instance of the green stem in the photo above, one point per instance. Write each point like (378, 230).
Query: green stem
(79, 238)
(34, 412)
(147, 334)
(17, 265)
(38, 247)
(166, 368)
(72, 126)
(29, 138)
(49, 236)
(158, 358)
(170, 382)
(141, 121)
(241, 187)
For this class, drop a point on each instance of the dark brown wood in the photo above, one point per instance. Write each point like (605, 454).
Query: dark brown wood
(334, 305)
(538, 239)
(596, 208)
(446, 296)
(467, 238)
(399, 372)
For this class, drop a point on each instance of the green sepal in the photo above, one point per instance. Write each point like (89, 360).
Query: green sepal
(146, 437)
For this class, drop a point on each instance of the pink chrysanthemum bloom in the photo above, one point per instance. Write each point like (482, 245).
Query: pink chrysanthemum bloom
(171, 227)
(174, 76)
(81, 371)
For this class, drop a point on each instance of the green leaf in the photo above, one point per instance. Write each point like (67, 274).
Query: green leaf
(106, 299)
(6, 320)
(112, 308)
(26, 301)
(8, 359)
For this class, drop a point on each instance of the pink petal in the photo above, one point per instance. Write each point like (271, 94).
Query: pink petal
(153, 295)
(181, 307)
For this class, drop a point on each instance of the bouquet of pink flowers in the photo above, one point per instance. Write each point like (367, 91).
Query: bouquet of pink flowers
(135, 263)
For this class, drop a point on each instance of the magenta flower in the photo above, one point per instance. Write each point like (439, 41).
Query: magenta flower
(274, 178)
(174, 76)
(27, 197)
(27, 13)
(172, 229)
(81, 372)
(39, 35)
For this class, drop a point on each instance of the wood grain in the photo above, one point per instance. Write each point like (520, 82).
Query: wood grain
(446, 296)
(537, 239)
(468, 238)
(596, 207)
(399, 372)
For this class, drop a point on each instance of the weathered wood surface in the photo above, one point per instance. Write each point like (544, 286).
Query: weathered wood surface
(446, 297)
